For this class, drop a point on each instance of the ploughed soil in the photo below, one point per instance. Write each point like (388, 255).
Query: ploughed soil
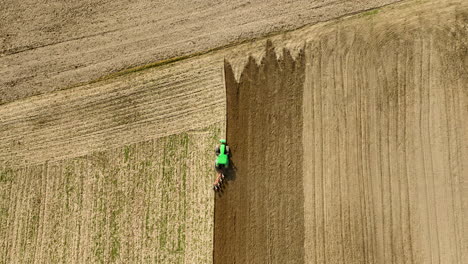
(259, 216)
(385, 137)
(379, 174)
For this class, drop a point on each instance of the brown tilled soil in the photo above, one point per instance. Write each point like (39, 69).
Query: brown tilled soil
(383, 155)
(386, 138)
(259, 216)
(51, 45)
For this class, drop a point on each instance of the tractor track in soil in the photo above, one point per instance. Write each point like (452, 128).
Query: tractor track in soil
(261, 210)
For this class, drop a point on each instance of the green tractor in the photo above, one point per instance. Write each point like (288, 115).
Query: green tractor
(221, 163)
(222, 156)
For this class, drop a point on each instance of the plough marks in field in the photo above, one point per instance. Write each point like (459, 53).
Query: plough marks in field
(385, 140)
(262, 207)
(384, 151)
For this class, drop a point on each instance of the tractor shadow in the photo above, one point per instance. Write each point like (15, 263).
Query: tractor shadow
(230, 172)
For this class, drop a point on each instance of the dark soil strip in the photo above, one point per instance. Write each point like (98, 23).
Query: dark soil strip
(259, 217)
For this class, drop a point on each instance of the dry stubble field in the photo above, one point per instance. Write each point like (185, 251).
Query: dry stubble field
(115, 171)
(81, 41)
(147, 202)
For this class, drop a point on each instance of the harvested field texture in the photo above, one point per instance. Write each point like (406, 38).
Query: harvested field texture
(115, 171)
(125, 110)
(71, 42)
(148, 202)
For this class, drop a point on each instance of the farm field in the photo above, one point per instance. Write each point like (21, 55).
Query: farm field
(83, 41)
(115, 171)
(148, 202)
(348, 138)
(386, 138)
(381, 100)
(261, 209)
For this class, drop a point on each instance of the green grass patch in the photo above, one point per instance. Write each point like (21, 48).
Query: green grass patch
(126, 153)
(6, 176)
(372, 12)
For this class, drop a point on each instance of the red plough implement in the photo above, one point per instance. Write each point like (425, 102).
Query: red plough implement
(218, 184)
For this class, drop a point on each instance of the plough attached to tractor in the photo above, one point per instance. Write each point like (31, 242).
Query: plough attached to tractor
(221, 164)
